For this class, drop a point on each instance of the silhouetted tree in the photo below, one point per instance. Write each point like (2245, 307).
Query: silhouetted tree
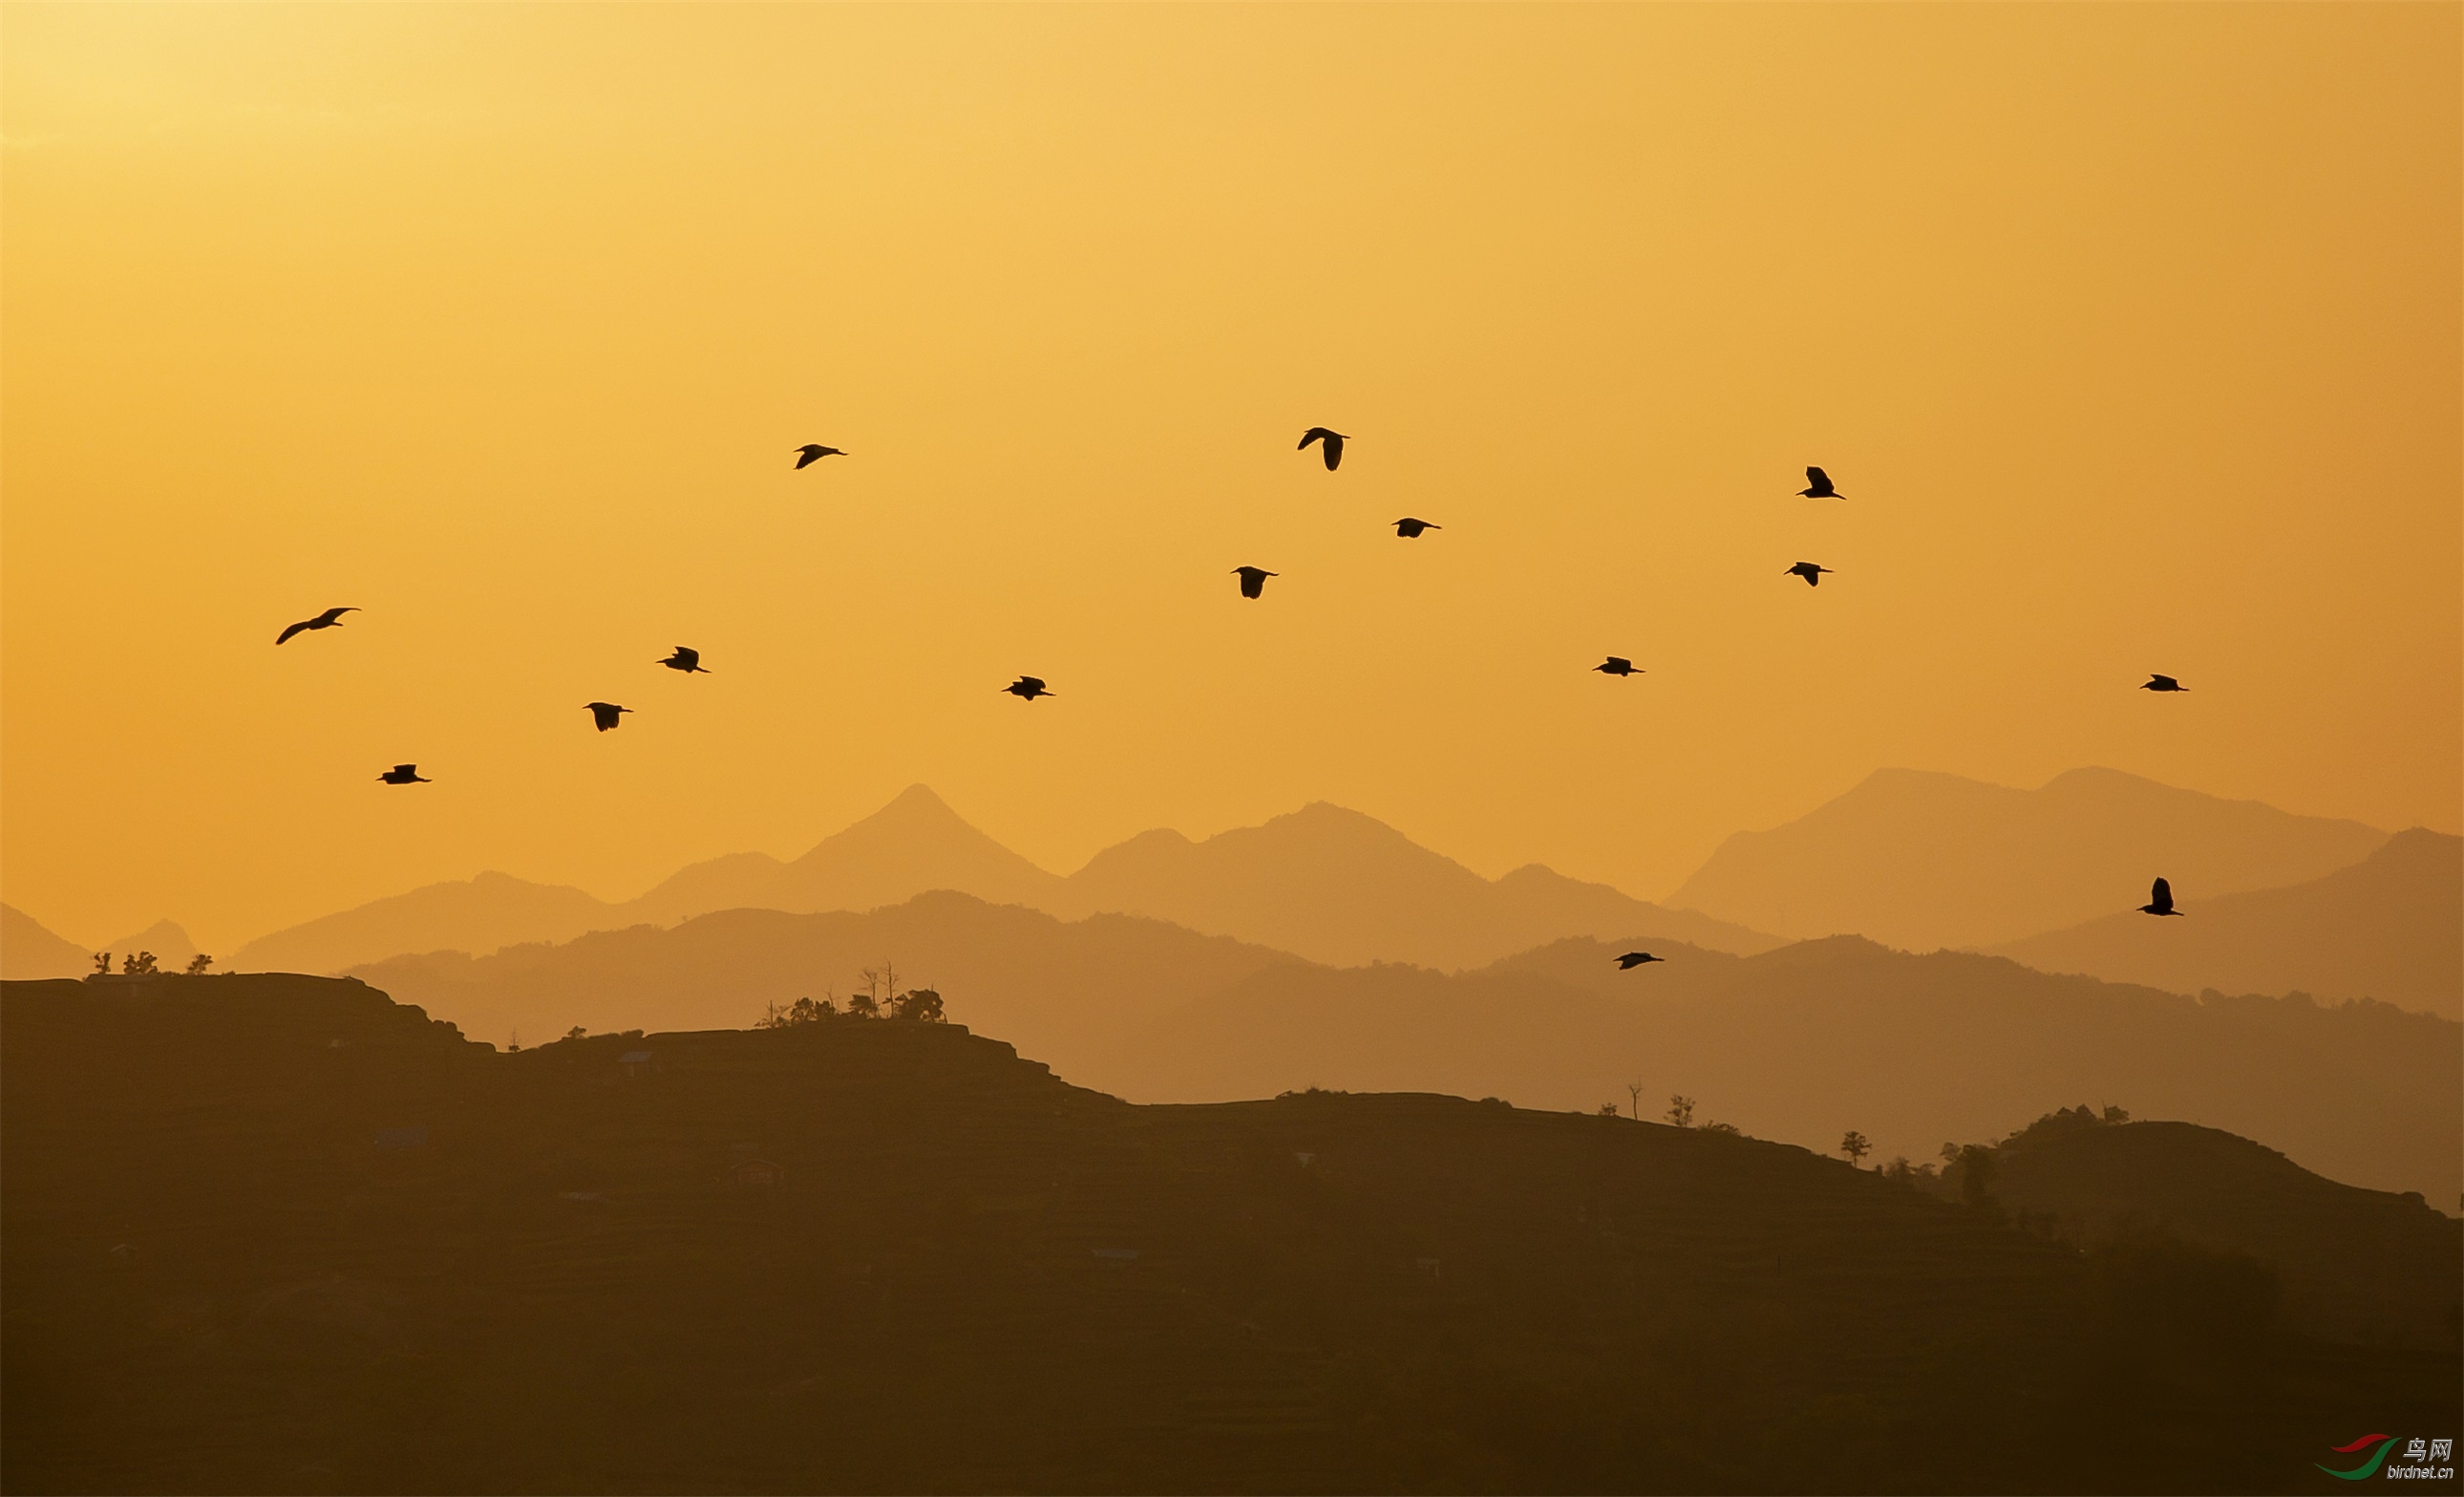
(1856, 1145)
(1610, 1109)
(101, 963)
(2115, 1114)
(922, 1005)
(864, 1005)
(576, 1032)
(198, 963)
(1634, 1098)
(1729, 1129)
(1975, 1163)
(1681, 1111)
(140, 965)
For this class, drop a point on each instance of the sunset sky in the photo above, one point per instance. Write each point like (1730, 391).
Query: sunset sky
(2131, 331)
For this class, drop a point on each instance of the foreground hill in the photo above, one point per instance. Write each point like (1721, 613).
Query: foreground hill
(28, 950)
(1921, 861)
(1325, 883)
(2357, 1265)
(1800, 1044)
(2391, 927)
(281, 1234)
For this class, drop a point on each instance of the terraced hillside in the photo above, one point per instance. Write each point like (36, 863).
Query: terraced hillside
(278, 1234)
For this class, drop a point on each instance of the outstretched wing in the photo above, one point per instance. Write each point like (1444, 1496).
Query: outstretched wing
(288, 632)
(806, 455)
(334, 615)
(690, 656)
(1334, 452)
(1311, 436)
(1818, 477)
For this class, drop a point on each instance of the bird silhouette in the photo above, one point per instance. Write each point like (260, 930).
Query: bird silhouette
(685, 659)
(604, 714)
(2160, 900)
(1253, 579)
(1818, 486)
(2162, 683)
(1410, 529)
(405, 775)
(1636, 959)
(1812, 573)
(1333, 441)
(812, 452)
(327, 620)
(1027, 687)
(1617, 664)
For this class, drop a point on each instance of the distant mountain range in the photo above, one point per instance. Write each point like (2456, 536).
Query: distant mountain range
(1799, 1043)
(29, 950)
(1925, 861)
(1324, 883)
(2390, 927)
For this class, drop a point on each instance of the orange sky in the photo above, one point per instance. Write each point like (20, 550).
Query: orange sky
(2132, 330)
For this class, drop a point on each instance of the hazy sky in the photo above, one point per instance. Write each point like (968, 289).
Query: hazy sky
(2132, 331)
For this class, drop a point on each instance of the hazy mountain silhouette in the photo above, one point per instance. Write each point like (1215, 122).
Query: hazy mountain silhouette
(170, 945)
(1325, 883)
(480, 913)
(915, 844)
(1920, 860)
(1335, 886)
(276, 1233)
(1799, 1043)
(2354, 1265)
(1078, 994)
(2391, 927)
(28, 950)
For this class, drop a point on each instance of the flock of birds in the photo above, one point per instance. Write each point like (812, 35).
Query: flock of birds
(605, 716)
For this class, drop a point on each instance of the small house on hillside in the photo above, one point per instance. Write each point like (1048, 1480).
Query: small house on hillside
(636, 1063)
(757, 1173)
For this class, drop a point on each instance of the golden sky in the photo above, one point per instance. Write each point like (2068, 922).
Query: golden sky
(2132, 331)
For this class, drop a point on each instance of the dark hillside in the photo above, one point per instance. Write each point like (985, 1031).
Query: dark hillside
(2359, 1264)
(279, 1234)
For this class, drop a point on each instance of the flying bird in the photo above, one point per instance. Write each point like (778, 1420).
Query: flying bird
(1818, 486)
(604, 714)
(2160, 900)
(1812, 573)
(1410, 529)
(327, 620)
(1617, 664)
(1253, 579)
(1636, 959)
(1333, 441)
(2162, 683)
(405, 775)
(685, 659)
(812, 452)
(1027, 687)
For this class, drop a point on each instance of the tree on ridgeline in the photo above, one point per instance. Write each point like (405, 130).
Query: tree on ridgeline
(1856, 1145)
(139, 965)
(102, 963)
(198, 964)
(1680, 1111)
(1634, 1099)
(919, 1005)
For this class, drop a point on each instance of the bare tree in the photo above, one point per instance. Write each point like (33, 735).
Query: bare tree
(1634, 1099)
(1856, 1145)
(1680, 1111)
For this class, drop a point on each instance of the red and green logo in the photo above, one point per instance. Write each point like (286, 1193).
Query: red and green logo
(2368, 1467)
